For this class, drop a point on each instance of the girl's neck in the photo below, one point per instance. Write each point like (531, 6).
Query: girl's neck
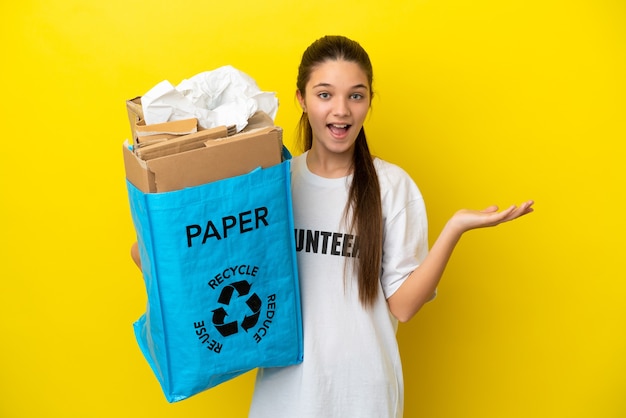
(329, 165)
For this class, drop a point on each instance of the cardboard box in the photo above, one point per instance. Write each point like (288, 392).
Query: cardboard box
(218, 159)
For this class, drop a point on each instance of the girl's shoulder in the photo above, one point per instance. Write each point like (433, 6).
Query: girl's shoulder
(396, 185)
(390, 172)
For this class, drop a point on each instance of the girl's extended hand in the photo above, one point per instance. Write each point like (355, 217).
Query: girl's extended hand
(466, 219)
(421, 284)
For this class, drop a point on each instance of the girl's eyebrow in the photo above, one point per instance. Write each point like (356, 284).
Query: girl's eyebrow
(357, 86)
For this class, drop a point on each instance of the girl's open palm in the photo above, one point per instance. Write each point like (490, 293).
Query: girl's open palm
(466, 219)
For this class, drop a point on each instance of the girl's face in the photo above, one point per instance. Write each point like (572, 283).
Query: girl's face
(336, 100)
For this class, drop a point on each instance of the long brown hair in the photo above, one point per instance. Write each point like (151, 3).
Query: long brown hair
(364, 196)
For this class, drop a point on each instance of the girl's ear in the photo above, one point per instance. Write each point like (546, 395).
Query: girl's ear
(301, 100)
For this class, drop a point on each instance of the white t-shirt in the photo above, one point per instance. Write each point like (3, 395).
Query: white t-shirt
(351, 366)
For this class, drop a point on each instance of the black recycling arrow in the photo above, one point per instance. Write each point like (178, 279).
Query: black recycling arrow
(254, 303)
(242, 287)
(227, 329)
(225, 295)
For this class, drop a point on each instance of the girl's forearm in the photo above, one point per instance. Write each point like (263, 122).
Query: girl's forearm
(421, 284)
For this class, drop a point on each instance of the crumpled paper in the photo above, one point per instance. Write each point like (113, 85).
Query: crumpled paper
(221, 97)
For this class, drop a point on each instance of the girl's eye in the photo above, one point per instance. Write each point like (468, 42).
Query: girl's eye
(356, 96)
(323, 95)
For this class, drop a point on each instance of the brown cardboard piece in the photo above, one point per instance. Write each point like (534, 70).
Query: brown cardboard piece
(181, 143)
(143, 134)
(218, 159)
(161, 131)
(135, 115)
(146, 134)
(219, 155)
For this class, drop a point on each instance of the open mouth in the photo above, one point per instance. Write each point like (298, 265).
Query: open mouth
(338, 129)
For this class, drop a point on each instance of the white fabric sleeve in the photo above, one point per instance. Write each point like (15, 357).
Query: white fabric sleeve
(405, 235)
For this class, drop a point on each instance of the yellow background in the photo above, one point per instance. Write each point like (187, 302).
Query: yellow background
(481, 101)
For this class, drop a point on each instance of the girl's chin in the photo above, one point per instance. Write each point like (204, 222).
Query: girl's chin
(338, 148)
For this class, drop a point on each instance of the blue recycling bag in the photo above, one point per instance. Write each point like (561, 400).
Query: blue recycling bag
(219, 266)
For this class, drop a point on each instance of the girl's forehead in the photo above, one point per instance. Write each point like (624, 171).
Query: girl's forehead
(338, 73)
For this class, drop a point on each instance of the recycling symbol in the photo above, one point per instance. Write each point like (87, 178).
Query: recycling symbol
(226, 297)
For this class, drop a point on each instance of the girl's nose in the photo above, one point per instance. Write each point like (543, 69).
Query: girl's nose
(341, 107)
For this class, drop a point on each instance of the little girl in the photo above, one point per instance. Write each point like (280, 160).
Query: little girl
(363, 256)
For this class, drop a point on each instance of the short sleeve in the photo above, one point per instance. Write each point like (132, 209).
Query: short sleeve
(405, 226)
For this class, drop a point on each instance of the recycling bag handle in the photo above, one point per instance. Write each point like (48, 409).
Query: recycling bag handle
(286, 154)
